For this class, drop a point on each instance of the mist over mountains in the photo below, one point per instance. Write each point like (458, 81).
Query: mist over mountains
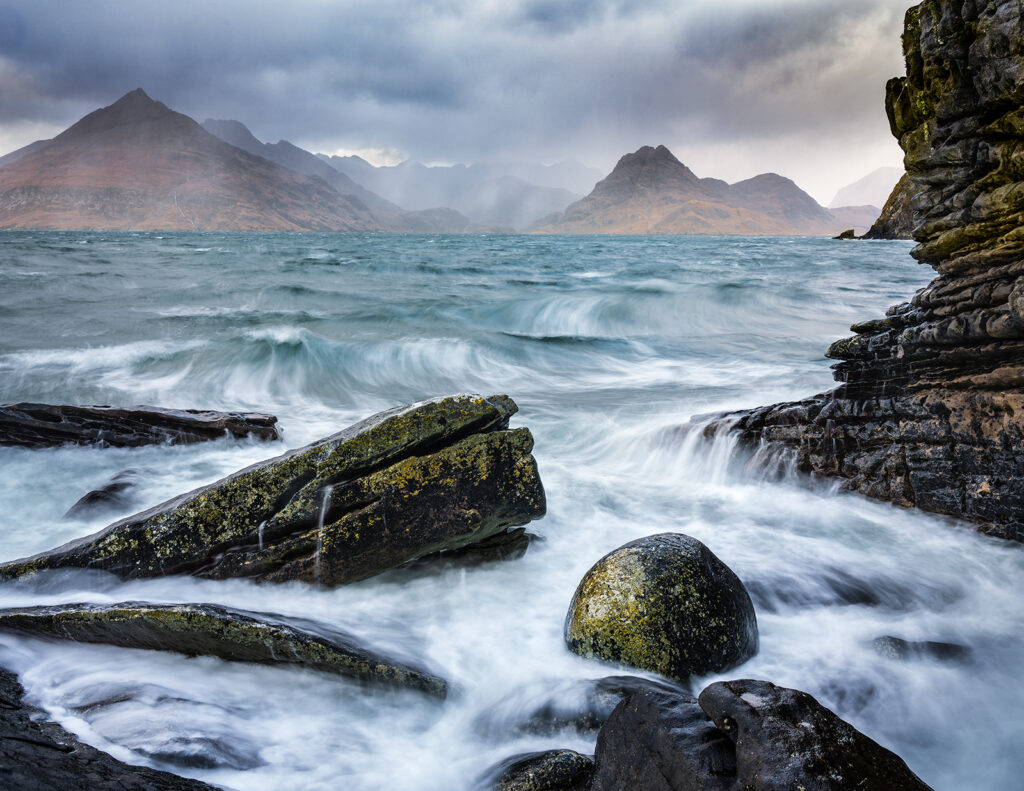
(138, 165)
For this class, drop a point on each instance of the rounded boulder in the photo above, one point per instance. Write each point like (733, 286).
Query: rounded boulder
(664, 603)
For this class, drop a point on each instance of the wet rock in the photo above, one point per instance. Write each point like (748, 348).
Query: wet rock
(930, 410)
(38, 755)
(50, 425)
(850, 233)
(662, 742)
(554, 770)
(581, 706)
(506, 545)
(740, 736)
(784, 738)
(409, 482)
(115, 493)
(664, 603)
(896, 648)
(211, 630)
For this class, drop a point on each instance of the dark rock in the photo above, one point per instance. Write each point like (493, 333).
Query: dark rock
(897, 218)
(211, 630)
(896, 648)
(38, 755)
(740, 736)
(412, 481)
(506, 545)
(662, 742)
(785, 739)
(664, 603)
(554, 770)
(581, 706)
(930, 412)
(50, 425)
(115, 493)
(849, 233)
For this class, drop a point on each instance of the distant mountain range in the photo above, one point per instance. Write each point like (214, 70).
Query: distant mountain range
(650, 191)
(138, 165)
(513, 195)
(874, 189)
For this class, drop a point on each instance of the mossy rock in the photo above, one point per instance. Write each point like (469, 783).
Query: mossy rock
(435, 476)
(212, 630)
(666, 604)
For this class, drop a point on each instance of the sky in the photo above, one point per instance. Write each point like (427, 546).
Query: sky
(732, 87)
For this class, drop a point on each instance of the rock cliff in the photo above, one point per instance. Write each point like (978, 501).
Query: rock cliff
(930, 412)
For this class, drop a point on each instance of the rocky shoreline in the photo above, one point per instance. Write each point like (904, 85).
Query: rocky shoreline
(446, 476)
(930, 412)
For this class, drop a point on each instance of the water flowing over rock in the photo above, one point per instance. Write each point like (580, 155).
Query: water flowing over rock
(664, 603)
(49, 425)
(402, 484)
(931, 409)
(211, 630)
(37, 755)
(740, 736)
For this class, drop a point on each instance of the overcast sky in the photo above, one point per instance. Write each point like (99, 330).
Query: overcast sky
(733, 87)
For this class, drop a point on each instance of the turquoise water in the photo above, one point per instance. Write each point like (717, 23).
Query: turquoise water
(606, 344)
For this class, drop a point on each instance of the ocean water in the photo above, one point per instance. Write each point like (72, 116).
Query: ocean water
(607, 344)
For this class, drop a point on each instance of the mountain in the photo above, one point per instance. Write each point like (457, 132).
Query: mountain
(139, 165)
(871, 190)
(497, 195)
(650, 191)
(390, 217)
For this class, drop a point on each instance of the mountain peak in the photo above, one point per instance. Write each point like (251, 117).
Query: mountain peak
(135, 107)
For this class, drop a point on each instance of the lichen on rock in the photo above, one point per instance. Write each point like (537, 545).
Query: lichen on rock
(405, 483)
(664, 603)
(212, 630)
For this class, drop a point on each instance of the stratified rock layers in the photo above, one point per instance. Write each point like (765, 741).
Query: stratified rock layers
(931, 409)
(409, 482)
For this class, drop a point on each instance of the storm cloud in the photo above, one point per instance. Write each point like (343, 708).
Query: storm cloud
(733, 87)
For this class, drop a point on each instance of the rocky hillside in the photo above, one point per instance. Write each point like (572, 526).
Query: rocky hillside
(650, 191)
(139, 165)
(930, 412)
(897, 218)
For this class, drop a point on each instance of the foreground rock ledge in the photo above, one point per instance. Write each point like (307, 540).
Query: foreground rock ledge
(51, 425)
(36, 755)
(211, 630)
(405, 483)
(740, 736)
(931, 410)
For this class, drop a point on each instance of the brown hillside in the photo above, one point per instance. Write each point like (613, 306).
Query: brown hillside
(137, 165)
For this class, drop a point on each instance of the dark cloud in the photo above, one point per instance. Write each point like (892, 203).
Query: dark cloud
(460, 80)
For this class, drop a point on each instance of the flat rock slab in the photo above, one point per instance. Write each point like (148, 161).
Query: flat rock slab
(52, 425)
(211, 630)
(409, 482)
(37, 755)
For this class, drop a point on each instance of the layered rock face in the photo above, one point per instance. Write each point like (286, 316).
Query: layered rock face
(931, 409)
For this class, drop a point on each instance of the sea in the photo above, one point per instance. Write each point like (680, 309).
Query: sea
(608, 345)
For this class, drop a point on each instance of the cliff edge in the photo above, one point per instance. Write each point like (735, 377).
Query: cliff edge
(930, 412)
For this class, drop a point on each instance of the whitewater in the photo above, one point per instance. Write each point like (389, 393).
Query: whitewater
(609, 345)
